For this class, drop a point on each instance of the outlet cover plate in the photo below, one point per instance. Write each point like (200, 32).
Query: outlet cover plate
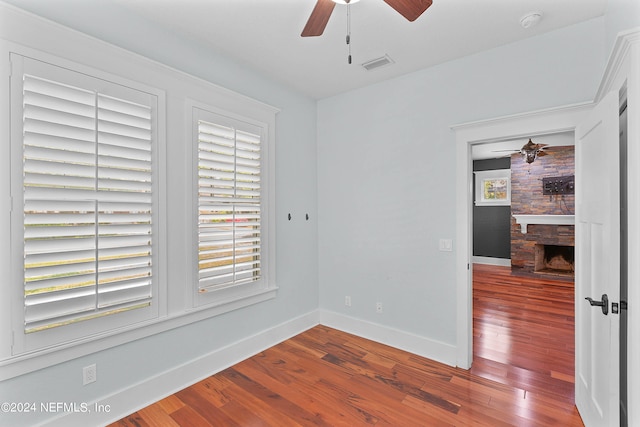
(89, 374)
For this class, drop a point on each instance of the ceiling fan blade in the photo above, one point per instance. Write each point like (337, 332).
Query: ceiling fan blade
(410, 9)
(318, 19)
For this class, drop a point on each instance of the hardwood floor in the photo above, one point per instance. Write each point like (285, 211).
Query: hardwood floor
(522, 374)
(524, 331)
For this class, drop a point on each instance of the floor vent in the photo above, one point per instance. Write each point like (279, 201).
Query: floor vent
(377, 63)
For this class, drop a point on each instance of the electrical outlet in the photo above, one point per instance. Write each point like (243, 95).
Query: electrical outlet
(89, 374)
(347, 301)
(378, 307)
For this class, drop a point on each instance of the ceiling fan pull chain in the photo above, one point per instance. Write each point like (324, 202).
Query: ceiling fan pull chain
(349, 30)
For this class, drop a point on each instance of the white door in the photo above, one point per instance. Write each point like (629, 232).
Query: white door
(598, 264)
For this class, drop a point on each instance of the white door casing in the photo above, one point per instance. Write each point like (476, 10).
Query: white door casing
(527, 125)
(598, 264)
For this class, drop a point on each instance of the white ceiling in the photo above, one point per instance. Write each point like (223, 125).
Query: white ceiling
(265, 34)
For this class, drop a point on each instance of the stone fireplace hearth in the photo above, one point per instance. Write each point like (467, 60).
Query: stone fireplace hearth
(554, 259)
(544, 244)
(525, 247)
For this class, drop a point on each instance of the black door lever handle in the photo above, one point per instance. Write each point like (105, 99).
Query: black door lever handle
(604, 303)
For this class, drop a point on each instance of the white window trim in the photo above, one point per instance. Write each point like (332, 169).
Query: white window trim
(24, 342)
(266, 286)
(20, 344)
(176, 305)
(481, 176)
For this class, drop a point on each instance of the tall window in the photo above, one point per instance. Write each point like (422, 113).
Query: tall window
(88, 199)
(229, 202)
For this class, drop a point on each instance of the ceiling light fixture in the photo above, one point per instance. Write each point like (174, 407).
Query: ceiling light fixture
(529, 20)
(346, 1)
(531, 151)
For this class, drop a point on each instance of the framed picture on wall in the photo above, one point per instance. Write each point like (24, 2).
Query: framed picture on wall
(493, 188)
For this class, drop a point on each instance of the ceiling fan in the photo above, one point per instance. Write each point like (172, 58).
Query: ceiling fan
(530, 151)
(410, 9)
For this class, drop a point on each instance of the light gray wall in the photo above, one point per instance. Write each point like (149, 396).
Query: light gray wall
(297, 271)
(386, 171)
(379, 182)
(620, 15)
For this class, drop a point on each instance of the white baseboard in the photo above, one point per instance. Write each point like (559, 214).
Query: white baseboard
(431, 349)
(140, 395)
(505, 262)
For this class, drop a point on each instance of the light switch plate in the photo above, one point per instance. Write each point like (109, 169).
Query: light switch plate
(445, 245)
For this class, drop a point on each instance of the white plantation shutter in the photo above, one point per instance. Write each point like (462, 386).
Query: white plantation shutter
(229, 204)
(87, 195)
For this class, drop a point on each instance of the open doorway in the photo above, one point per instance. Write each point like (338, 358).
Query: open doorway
(564, 119)
(545, 122)
(522, 273)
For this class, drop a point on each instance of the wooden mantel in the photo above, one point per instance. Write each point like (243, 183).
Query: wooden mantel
(525, 220)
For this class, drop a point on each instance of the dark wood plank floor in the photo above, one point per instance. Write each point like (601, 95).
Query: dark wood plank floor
(522, 374)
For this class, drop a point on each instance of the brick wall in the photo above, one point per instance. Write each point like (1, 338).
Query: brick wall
(527, 199)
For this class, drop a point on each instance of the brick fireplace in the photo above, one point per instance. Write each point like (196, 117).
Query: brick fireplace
(539, 240)
(554, 259)
(528, 250)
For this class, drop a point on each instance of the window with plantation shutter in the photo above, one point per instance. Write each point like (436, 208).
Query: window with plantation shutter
(89, 244)
(229, 203)
(88, 198)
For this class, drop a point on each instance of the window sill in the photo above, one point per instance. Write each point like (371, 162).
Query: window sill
(29, 362)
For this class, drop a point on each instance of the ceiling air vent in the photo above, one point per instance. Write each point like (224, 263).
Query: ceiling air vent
(377, 63)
